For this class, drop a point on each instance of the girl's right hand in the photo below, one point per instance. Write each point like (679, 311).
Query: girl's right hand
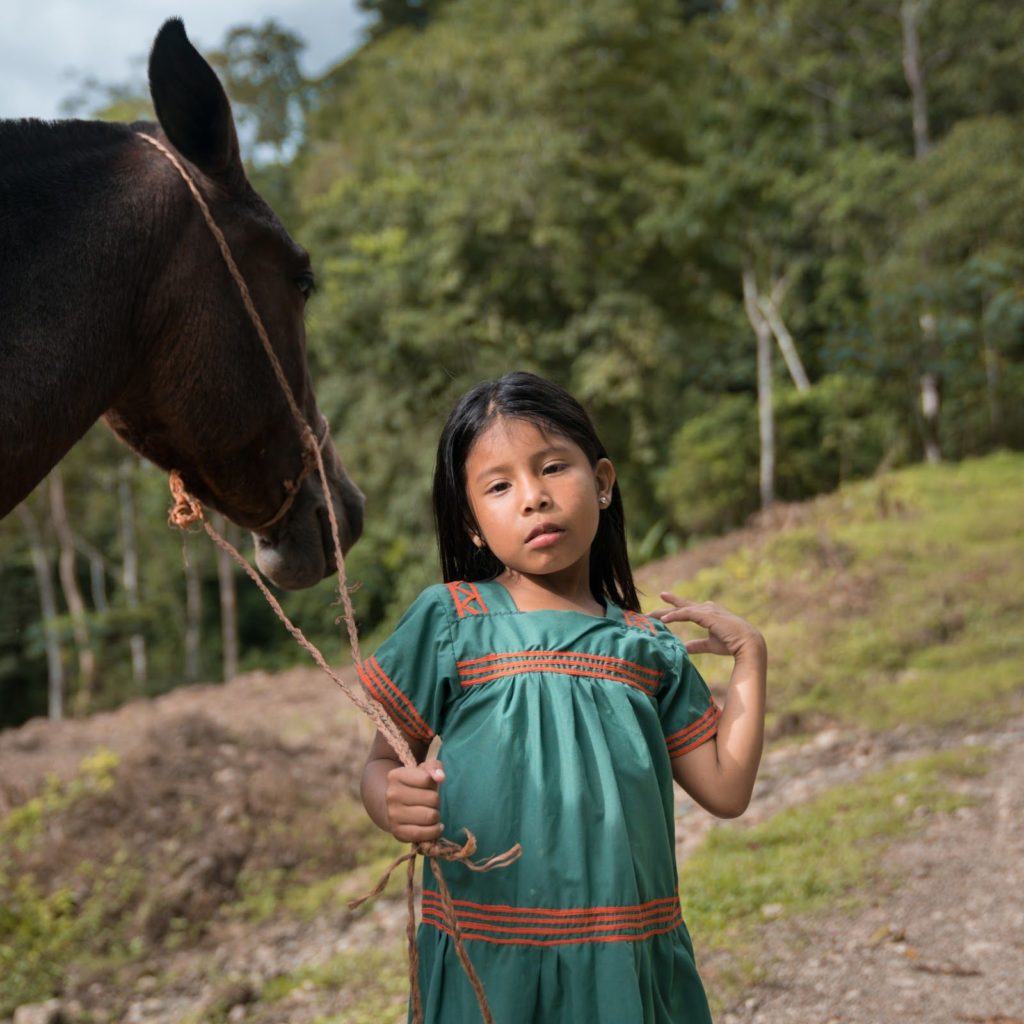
(413, 803)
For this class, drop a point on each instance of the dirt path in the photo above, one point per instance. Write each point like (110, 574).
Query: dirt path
(943, 946)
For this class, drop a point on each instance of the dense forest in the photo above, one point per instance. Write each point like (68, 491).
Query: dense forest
(773, 246)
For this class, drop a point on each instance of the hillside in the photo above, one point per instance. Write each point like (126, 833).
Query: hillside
(190, 858)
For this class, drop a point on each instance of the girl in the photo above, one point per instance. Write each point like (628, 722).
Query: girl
(565, 716)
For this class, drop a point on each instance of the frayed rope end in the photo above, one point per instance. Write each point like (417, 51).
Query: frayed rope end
(186, 509)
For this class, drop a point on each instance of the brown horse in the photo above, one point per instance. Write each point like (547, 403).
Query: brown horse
(115, 301)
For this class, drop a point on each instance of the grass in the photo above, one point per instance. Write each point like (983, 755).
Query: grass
(374, 984)
(819, 856)
(42, 931)
(894, 601)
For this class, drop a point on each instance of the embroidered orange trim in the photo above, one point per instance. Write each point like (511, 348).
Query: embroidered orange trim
(559, 668)
(640, 621)
(465, 595)
(544, 915)
(537, 926)
(653, 673)
(573, 663)
(385, 692)
(695, 733)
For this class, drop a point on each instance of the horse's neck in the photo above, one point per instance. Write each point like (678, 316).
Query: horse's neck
(67, 280)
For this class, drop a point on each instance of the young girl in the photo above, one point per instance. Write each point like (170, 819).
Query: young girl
(565, 716)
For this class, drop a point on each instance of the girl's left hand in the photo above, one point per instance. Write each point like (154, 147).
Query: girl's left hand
(727, 633)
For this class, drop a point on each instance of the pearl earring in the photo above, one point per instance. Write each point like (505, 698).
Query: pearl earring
(604, 499)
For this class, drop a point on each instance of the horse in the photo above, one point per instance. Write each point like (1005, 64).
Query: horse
(116, 302)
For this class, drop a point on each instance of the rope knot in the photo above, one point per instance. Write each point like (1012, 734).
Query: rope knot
(186, 509)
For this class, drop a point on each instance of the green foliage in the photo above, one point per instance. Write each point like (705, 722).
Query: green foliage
(22, 826)
(711, 478)
(834, 432)
(577, 189)
(374, 982)
(894, 601)
(42, 928)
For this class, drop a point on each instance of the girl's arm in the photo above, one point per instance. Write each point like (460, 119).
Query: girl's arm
(720, 774)
(403, 801)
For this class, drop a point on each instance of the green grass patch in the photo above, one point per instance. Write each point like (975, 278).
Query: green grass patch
(374, 984)
(820, 855)
(265, 894)
(25, 823)
(41, 933)
(894, 601)
(43, 929)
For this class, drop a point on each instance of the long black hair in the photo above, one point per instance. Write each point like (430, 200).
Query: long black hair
(522, 396)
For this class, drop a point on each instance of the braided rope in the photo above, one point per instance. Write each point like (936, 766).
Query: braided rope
(187, 510)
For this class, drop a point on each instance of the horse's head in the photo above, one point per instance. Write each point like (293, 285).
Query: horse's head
(207, 402)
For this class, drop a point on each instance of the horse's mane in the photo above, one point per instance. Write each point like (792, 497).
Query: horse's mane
(31, 134)
(34, 140)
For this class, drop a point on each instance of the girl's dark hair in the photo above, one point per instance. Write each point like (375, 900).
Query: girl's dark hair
(522, 396)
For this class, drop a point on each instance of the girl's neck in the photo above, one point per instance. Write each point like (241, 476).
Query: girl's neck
(569, 591)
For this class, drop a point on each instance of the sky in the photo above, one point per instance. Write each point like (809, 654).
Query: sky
(48, 46)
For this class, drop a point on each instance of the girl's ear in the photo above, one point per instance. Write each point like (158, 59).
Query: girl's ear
(604, 475)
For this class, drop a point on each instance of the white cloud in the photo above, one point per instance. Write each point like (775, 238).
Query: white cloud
(46, 46)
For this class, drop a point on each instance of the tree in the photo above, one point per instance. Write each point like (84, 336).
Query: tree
(270, 96)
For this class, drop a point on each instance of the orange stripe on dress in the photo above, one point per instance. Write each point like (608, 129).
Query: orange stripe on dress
(604, 659)
(656, 905)
(465, 595)
(380, 686)
(694, 734)
(494, 940)
(560, 669)
(548, 926)
(639, 621)
(581, 933)
(657, 920)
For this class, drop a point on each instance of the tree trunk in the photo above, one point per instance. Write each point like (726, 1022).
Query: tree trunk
(130, 568)
(48, 607)
(66, 566)
(913, 71)
(769, 307)
(995, 412)
(930, 412)
(765, 415)
(193, 616)
(97, 574)
(228, 602)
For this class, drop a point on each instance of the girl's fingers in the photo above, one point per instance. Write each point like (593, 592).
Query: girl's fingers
(407, 797)
(423, 776)
(416, 815)
(417, 833)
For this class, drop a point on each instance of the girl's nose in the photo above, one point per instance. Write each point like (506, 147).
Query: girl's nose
(536, 498)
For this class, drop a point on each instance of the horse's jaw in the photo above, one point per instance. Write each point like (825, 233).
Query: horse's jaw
(299, 551)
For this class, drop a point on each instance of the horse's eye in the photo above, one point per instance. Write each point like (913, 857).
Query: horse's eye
(306, 283)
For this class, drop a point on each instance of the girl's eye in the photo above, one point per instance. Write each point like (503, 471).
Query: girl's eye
(497, 488)
(554, 467)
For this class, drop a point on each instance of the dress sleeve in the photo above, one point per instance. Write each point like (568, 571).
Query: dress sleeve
(413, 672)
(689, 716)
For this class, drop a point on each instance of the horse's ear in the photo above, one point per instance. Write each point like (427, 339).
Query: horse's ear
(192, 107)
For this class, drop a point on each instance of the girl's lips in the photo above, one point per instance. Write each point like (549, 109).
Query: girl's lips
(544, 536)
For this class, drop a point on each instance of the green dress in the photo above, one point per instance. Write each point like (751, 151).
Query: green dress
(558, 728)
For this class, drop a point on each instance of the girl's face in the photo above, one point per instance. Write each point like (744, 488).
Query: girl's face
(535, 497)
